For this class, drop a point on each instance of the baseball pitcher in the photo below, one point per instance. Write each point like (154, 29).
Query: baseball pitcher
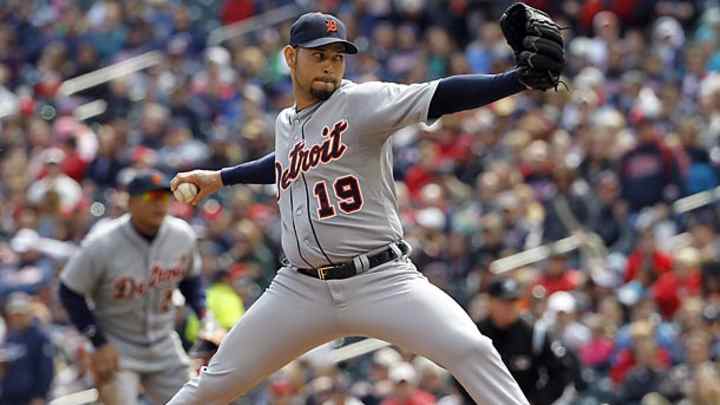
(347, 270)
(128, 269)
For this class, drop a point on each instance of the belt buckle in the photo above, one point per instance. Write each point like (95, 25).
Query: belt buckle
(322, 271)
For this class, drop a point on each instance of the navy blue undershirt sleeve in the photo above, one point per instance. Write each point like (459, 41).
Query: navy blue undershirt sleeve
(260, 171)
(80, 315)
(465, 92)
(192, 288)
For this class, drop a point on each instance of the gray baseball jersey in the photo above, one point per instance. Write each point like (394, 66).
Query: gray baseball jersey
(131, 282)
(333, 166)
(336, 192)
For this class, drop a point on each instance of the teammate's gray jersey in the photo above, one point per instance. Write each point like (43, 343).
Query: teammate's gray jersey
(131, 282)
(333, 166)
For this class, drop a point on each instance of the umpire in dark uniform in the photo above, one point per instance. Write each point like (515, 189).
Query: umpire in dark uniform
(541, 366)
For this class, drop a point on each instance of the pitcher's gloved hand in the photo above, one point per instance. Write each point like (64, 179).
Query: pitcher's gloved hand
(537, 43)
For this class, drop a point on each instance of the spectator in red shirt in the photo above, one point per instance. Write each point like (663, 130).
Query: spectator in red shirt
(558, 275)
(454, 146)
(405, 390)
(683, 281)
(73, 165)
(647, 262)
(424, 171)
(236, 10)
(598, 352)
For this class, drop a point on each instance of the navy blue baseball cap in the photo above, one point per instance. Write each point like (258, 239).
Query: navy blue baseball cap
(313, 30)
(504, 289)
(146, 181)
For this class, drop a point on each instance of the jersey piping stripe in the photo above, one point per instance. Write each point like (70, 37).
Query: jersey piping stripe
(312, 227)
(307, 197)
(297, 240)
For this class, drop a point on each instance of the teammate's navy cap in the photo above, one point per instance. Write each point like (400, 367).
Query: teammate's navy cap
(313, 30)
(504, 288)
(146, 181)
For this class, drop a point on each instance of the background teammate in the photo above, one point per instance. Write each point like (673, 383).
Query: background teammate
(129, 269)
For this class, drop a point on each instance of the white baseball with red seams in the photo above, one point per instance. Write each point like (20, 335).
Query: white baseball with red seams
(185, 192)
(337, 200)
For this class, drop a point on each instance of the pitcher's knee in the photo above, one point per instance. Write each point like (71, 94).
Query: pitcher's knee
(211, 388)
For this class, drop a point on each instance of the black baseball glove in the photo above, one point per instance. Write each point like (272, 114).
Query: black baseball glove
(207, 342)
(206, 345)
(537, 43)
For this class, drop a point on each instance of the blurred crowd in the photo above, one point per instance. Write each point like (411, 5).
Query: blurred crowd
(637, 306)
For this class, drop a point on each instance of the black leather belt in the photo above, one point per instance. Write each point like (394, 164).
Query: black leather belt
(348, 269)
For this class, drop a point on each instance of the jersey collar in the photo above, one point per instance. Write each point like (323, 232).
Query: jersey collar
(296, 115)
(134, 235)
(299, 115)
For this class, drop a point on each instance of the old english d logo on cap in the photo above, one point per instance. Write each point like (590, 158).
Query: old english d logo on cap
(315, 30)
(330, 25)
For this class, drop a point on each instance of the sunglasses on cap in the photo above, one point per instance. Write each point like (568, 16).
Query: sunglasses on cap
(157, 195)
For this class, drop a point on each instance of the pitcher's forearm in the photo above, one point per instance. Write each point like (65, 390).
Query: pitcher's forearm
(260, 171)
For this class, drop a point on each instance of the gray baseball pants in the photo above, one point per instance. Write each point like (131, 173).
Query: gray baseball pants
(159, 386)
(392, 302)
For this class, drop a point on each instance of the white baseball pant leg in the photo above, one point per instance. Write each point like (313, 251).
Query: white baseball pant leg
(294, 315)
(393, 302)
(399, 305)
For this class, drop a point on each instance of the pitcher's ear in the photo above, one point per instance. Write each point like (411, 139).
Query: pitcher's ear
(290, 54)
